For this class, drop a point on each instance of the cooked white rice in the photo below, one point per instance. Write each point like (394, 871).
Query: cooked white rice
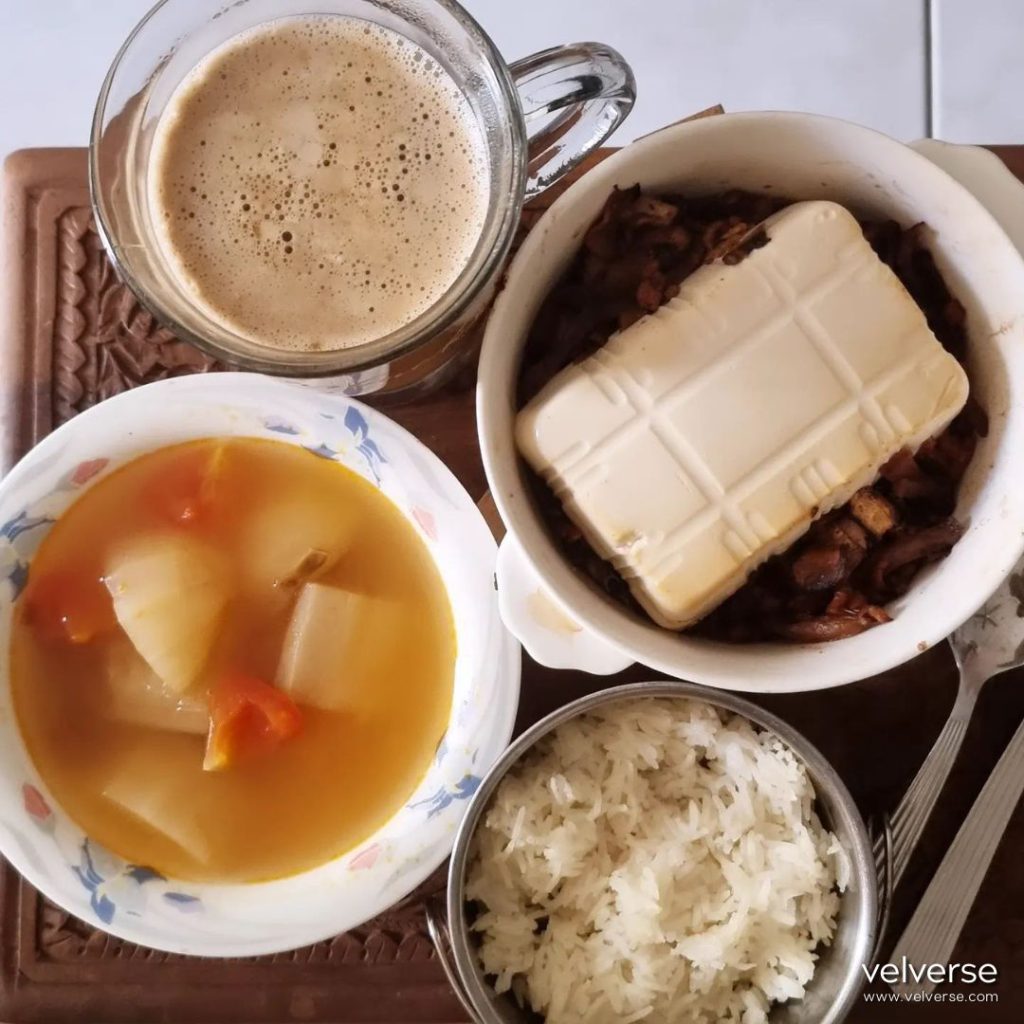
(655, 860)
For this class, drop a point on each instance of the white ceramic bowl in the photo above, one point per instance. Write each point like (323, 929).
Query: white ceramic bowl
(135, 903)
(564, 621)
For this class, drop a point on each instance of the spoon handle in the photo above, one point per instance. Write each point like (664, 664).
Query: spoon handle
(915, 807)
(936, 925)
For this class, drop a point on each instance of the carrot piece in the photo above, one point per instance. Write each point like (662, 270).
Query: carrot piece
(248, 719)
(69, 605)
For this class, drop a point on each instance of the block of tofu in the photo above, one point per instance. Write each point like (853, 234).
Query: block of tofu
(708, 436)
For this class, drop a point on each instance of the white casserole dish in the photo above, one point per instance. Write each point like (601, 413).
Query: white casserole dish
(561, 618)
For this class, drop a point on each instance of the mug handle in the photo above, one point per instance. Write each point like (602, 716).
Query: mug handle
(573, 97)
(538, 621)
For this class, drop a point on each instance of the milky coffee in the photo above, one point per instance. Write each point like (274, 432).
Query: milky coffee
(318, 182)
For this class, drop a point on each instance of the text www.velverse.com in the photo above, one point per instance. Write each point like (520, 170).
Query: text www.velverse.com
(931, 997)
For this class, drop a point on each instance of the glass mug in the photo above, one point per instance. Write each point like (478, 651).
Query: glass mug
(539, 117)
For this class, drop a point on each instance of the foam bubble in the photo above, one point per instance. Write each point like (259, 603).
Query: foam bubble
(296, 176)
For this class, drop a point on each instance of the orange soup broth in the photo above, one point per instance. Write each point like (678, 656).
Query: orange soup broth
(320, 793)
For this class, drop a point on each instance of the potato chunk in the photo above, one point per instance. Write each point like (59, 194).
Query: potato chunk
(143, 787)
(334, 641)
(138, 696)
(290, 541)
(169, 591)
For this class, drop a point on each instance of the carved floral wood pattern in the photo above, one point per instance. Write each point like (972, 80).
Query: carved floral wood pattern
(104, 341)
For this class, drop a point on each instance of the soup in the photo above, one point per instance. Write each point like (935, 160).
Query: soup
(233, 660)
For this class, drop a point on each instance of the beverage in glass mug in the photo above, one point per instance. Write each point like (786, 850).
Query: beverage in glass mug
(329, 190)
(318, 182)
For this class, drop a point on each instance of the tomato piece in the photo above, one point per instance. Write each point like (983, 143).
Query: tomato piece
(69, 605)
(248, 719)
(185, 491)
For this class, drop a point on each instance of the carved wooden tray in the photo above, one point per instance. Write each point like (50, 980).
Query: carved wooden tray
(72, 335)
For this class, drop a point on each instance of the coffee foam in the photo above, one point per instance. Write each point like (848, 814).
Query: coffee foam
(318, 182)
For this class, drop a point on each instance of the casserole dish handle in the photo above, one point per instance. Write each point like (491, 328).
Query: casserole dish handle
(541, 624)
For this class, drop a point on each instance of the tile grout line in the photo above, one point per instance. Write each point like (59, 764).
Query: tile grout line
(929, 69)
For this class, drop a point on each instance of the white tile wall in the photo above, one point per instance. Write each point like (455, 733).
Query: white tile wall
(53, 56)
(978, 70)
(859, 59)
(862, 59)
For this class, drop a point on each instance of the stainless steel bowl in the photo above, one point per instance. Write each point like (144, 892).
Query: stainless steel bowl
(838, 979)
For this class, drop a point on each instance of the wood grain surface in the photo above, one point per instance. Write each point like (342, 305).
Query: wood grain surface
(73, 335)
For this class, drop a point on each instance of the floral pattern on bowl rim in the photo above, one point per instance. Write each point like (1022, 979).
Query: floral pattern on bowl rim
(134, 901)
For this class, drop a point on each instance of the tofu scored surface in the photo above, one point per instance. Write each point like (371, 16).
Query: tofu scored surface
(707, 436)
